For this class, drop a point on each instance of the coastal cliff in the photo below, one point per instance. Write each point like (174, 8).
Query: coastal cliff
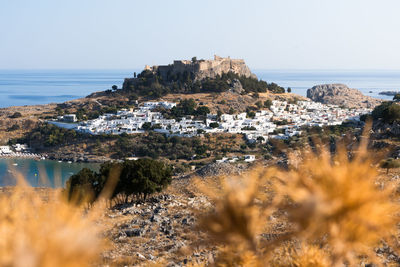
(342, 95)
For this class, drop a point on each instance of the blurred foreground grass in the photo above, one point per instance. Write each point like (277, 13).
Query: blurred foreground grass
(324, 210)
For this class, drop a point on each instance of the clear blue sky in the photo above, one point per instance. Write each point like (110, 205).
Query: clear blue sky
(268, 34)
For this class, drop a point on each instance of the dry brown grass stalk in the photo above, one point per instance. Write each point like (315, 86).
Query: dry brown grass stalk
(329, 201)
(336, 200)
(240, 208)
(50, 233)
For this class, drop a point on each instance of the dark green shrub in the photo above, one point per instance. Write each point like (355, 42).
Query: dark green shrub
(267, 103)
(387, 111)
(138, 178)
(390, 163)
(214, 125)
(16, 115)
(143, 177)
(13, 128)
(83, 187)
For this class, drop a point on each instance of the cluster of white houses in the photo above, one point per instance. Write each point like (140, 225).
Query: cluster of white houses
(288, 118)
(17, 150)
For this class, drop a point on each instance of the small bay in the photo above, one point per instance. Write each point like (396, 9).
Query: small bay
(40, 173)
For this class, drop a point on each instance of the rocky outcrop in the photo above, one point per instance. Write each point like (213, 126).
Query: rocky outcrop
(237, 86)
(384, 130)
(389, 93)
(342, 95)
(220, 169)
(158, 229)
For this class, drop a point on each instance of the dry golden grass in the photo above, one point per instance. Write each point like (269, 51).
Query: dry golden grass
(42, 233)
(238, 212)
(337, 200)
(332, 206)
(311, 256)
(307, 256)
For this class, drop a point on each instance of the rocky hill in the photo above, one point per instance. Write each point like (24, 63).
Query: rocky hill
(342, 95)
(202, 69)
(197, 76)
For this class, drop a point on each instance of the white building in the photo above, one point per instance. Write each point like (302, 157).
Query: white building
(249, 158)
(290, 117)
(5, 150)
(70, 118)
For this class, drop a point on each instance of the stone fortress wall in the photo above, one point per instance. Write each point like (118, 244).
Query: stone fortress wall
(205, 68)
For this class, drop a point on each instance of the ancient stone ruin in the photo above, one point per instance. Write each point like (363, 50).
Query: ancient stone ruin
(204, 68)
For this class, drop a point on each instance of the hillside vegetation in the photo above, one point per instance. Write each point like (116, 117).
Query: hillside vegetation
(152, 85)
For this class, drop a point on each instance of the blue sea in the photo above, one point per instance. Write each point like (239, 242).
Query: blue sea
(30, 87)
(367, 81)
(42, 173)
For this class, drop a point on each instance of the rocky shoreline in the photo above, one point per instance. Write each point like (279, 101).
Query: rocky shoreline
(78, 158)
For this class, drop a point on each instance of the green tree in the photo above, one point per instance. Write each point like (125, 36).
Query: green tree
(200, 131)
(259, 104)
(13, 128)
(387, 111)
(146, 126)
(202, 111)
(83, 187)
(214, 125)
(390, 163)
(184, 107)
(114, 87)
(393, 113)
(219, 114)
(260, 139)
(289, 90)
(267, 103)
(16, 115)
(396, 97)
(251, 114)
(143, 177)
(138, 178)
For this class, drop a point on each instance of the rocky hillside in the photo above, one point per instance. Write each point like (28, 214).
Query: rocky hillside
(342, 95)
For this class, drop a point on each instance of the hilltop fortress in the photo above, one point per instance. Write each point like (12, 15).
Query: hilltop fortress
(204, 68)
(197, 76)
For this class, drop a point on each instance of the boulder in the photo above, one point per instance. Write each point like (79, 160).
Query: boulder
(237, 86)
(133, 232)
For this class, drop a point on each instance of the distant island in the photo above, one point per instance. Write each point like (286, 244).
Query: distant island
(389, 93)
